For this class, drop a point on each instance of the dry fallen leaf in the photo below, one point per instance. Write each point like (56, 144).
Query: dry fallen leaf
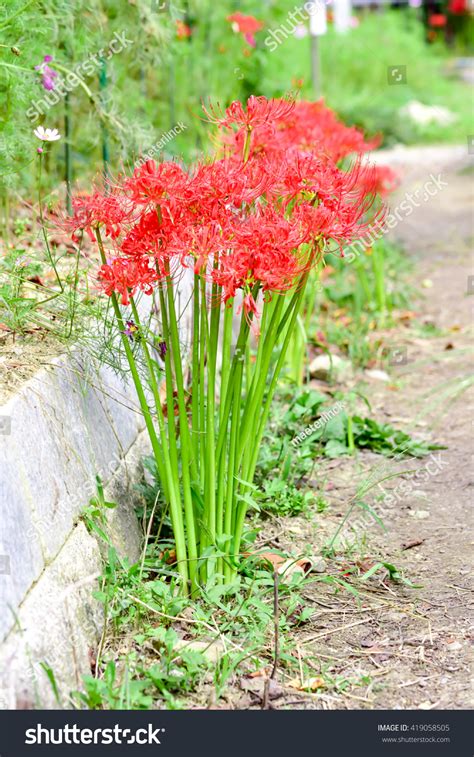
(406, 315)
(168, 556)
(263, 672)
(411, 544)
(292, 566)
(273, 558)
(308, 684)
(284, 566)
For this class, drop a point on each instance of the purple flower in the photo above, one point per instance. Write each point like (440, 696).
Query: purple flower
(162, 348)
(48, 74)
(131, 330)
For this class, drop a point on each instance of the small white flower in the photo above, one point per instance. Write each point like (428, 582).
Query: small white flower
(47, 135)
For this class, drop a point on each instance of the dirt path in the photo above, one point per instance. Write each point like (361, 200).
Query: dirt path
(440, 235)
(400, 647)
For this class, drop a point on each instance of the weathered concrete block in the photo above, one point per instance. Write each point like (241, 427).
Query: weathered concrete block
(67, 425)
(21, 554)
(58, 624)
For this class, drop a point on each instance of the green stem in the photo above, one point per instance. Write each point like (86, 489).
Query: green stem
(186, 445)
(161, 456)
(67, 153)
(202, 388)
(169, 384)
(195, 438)
(288, 319)
(18, 68)
(223, 469)
(105, 135)
(230, 510)
(226, 344)
(239, 351)
(46, 242)
(171, 471)
(215, 528)
(350, 435)
(257, 388)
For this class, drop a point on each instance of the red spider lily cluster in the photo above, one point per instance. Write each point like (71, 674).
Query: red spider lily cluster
(303, 127)
(257, 216)
(250, 224)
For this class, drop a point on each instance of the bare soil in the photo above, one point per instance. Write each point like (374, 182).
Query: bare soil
(24, 352)
(21, 357)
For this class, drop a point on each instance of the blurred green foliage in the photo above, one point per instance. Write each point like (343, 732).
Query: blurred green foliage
(160, 78)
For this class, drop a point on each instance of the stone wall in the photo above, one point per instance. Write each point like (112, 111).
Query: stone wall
(67, 425)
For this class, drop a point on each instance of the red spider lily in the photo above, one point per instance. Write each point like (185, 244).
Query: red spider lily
(152, 183)
(200, 243)
(259, 111)
(126, 277)
(252, 313)
(144, 237)
(341, 213)
(264, 251)
(245, 24)
(304, 127)
(97, 210)
(251, 224)
(226, 185)
(458, 7)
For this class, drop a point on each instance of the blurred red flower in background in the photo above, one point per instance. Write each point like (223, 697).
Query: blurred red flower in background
(183, 31)
(437, 20)
(248, 26)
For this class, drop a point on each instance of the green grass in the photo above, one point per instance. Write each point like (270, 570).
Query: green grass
(160, 650)
(352, 302)
(354, 77)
